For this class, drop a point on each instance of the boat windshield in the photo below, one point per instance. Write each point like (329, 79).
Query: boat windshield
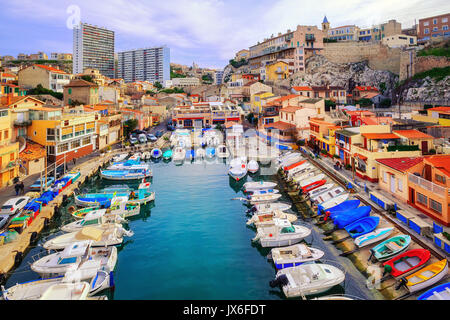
(67, 260)
(288, 230)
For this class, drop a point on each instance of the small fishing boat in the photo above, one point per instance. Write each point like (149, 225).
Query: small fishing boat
(337, 297)
(156, 153)
(441, 292)
(67, 291)
(313, 185)
(238, 168)
(406, 262)
(427, 276)
(328, 195)
(146, 155)
(308, 279)
(268, 218)
(290, 159)
(79, 256)
(129, 165)
(344, 218)
(263, 198)
(134, 174)
(260, 185)
(253, 166)
(372, 237)
(95, 218)
(222, 151)
(119, 206)
(108, 235)
(267, 191)
(136, 156)
(210, 152)
(304, 183)
(334, 204)
(296, 167)
(280, 233)
(304, 174)
(295, 255)
(269, 207)
(391, 247)
(288, 168)
(362, 226)
(316, 192)
(120, 157)
(179, 154)
(167, 155)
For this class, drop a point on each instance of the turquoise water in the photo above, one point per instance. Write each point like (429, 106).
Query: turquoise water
(193, 242)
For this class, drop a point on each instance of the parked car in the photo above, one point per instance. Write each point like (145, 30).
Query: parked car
(12, 206)
(134, 140)
(151, 137)
(36, 186)
(159, 133)
(142, 138)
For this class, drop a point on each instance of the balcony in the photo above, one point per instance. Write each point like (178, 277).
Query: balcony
(8, 166)
(310, 38)
(427, 185)
(22, 123)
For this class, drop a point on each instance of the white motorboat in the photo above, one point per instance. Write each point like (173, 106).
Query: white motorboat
(222, 151)
(133, 174)
(265, 191)
(308, 173)
(119, 206)
(253, 166)
(79, 256)
(334, 202)
(295, 255)
(136, 156)
(258, 185)
(67, 291)
(290, 159)
(372, 237)
(120, 157)
(328, 195)
(298, 169)
(33, 290)
(269, 207)
(238, 168)
(146, 155)
(94, 218)
(107, 235)
(268, 218)
(129, 165)
(310, 180)
(281, 233)
(156, 153)
(263, 198)
(179, 154)
(320, 190)
(200, 153)
(308, 279)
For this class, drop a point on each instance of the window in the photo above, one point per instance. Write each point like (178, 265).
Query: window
(63, 147)
(50, 134)
(435, 29)
(426, 23)
(4, 113)
(440, 179)
(11, 157)
(70, 91)
(426, 31)
(445, 28)
(400, 184)
(434, 21)
(75, 144)
(384, 176)
(6, 134)
(444, 20)
(422, 199)
(86, 141)
(436, 206)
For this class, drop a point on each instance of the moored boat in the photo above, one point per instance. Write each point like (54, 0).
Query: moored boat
(391, 247)
(252, 166)
(94, 218)
(320, 190)
(67, 291)
(222, 151)
(313, 185)
(294, 255)
(441, 292)
(156, 153)
(406, 262)
(372, 237)
(134, 174)
(238, 168)
(427, 276)
(339, 203)
(119, 206)
(269, 207)
(303, 183)
(342, 219)
(281, 233)
(327, 195)
(362, 226)
(268, 218)
(179, 154)
(263, 198)
(167, 155)
(260, 185)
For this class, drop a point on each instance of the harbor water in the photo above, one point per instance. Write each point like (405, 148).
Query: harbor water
(192, 242)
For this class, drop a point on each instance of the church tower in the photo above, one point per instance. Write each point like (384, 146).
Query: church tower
(325, 26)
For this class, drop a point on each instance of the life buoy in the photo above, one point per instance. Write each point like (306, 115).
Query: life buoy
(270, 235)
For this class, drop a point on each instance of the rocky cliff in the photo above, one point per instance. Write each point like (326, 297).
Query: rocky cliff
(426, 90)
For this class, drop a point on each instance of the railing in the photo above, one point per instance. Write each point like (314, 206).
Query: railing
(427, 185)
(22, 122)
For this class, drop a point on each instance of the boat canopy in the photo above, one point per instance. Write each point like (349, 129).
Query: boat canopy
(89, 233)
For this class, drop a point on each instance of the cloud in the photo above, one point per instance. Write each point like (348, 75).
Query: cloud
(211, 31)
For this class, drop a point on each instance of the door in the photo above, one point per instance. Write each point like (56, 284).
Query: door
(392, 184)
(424, 146)
(411, 195)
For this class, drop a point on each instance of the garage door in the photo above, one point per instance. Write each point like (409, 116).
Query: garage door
(113, 137)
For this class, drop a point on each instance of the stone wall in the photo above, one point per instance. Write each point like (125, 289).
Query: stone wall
(379, 56)
(410, 64)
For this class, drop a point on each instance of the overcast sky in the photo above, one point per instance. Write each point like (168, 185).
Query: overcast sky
(208, 32)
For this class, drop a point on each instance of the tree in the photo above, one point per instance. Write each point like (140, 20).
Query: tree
(250, 117)
(87, 78)
(329, 104)
(158, 85)
(364, 102)
(385, 103)
(129, 126)
(41, 90)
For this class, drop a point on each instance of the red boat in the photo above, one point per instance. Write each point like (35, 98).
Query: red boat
(406, 261)
(292, 166)
(313, 185)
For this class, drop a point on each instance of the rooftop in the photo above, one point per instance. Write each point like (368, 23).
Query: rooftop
(413, 134)
(442, 162)
(302, 88)
(401, 164)
(366, 88)
(32, 151)
(440, 109)
(380, 136)
(280, 125)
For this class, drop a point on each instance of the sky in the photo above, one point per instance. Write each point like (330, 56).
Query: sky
(207, 32)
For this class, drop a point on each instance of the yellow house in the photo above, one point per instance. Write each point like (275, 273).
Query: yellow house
(415, 137)
(277, 71)
(9, 151)
(438, 115)
(322, 133)
(256, 100)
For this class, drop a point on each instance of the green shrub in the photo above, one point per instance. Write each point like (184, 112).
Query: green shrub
(437, 74)
(440, 52)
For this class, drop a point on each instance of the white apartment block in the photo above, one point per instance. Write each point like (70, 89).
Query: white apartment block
(149, 64)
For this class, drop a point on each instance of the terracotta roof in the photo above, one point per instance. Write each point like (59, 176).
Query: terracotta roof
(80, 83)
(32, 151)
(291, 109)
(442, 162)
(366, 88)
(15, 99)
(302, 88)
(8, 75)
(379, 136)
(376, 120)
(370, 95)
(440, 109)
(51, 69)
(413, 134)
(360, 112)
(288, 97)
(280, 125)
(401, 164)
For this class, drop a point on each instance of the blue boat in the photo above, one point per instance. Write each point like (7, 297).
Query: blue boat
(441, 292)
(36, 186)
(344, 206)
(362, 226)
(346, 217)
(210, 152)
(133, 174)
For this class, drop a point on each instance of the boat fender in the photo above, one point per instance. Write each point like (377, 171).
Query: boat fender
(71, 209)
(387, 269)
(18, 258)
(279, 281)
(46, 222)
(33, 237)
(111, 279)
(56, 210)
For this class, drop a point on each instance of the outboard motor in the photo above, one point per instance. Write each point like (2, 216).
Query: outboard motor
(401, 283)
(280, 281)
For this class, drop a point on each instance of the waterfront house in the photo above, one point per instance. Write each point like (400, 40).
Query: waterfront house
(415, 137)
(9, 149)
(322, 135)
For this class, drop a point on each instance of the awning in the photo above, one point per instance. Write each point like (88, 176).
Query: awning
(359, 156)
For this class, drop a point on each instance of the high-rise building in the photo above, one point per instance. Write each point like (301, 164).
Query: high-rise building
(93, 47)
(150, 64)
